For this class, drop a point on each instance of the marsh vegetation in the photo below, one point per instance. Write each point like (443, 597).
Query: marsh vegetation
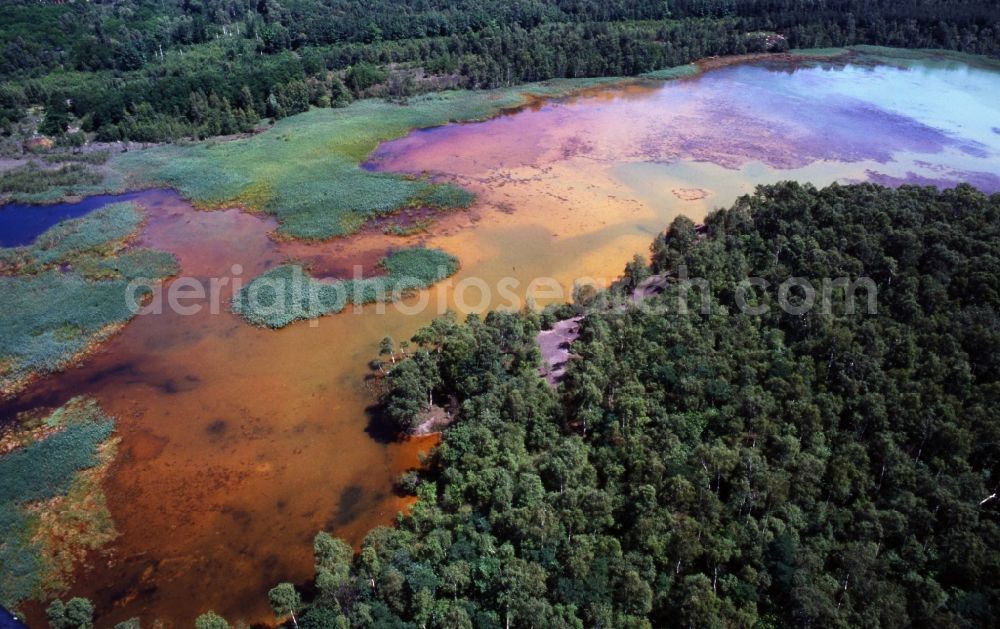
(306, 172)
(65, 291)
(32, 183)
(51, 509)
(287, 293)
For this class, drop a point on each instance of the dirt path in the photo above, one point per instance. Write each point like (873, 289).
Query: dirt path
(555, 344)
(432, 420)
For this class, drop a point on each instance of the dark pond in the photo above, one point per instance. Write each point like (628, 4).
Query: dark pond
(20, 224)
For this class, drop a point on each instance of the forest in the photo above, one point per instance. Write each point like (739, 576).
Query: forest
(152, 70)
(827, 468)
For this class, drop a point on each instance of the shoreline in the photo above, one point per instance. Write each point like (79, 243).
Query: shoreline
(528, 94)
(126, 180)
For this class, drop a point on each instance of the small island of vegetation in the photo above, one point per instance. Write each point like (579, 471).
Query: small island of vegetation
(286, 293)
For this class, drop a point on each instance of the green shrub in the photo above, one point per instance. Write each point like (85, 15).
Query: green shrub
(77, 613)
(210, 620)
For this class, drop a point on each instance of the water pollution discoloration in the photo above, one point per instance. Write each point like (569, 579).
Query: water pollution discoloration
(239, 444)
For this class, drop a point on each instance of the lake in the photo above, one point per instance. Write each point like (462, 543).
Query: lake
(239, 444)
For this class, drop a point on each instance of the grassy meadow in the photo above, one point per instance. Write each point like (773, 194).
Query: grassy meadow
(287, 293)
(43, 468)
(306, 169)
(820, 53)
(66, 290)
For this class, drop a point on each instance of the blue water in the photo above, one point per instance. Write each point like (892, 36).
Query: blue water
(10, 621)
(21, 224)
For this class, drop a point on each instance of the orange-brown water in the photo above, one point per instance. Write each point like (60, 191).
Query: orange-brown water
(239, 444)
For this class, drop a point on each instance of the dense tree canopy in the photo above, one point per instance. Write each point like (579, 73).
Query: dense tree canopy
(716, 469)
(146, 69)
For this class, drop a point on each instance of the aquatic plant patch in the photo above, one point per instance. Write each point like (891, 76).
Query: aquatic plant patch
(43, 486)
(32, 179)
(908, 58)
(128, 265)
(66, 291)
(676, 72)
(51, 317)
(71, 178)
(287, 293)
(102, 232)
(820, 53)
